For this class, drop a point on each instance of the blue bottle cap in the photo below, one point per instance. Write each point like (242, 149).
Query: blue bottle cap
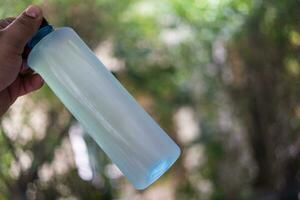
(44, 30)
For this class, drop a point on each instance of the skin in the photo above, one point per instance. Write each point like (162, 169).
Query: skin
(16, 79)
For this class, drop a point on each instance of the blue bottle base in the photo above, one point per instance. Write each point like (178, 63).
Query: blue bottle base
(157, 171)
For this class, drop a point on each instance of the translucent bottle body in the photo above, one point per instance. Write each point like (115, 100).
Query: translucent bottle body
(125, 132)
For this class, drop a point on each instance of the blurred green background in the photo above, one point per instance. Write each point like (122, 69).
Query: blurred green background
(222, 77)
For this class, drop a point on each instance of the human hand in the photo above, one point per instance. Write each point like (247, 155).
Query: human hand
(16, 79)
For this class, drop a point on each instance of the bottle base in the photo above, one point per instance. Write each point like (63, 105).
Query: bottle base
(157, 171)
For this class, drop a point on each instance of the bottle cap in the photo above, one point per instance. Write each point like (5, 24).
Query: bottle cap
(44, 29)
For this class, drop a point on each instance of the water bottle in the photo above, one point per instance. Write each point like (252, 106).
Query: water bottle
(112, 117)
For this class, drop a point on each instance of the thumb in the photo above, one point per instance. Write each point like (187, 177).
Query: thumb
(20, 31)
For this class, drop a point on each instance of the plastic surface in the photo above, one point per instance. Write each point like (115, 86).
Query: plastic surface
(120, 126)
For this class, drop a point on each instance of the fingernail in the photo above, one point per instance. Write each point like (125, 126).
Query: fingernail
(39, 78)
(33, 11)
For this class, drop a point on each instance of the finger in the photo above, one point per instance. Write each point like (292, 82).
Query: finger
(25, 69)
(24, 84)
(10, 19)
(5, 22)
(23, 28)
(30, 83)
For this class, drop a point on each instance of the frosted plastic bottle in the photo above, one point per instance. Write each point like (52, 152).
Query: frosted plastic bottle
(119, 125)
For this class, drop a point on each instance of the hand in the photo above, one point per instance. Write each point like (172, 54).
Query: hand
(16, 79)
